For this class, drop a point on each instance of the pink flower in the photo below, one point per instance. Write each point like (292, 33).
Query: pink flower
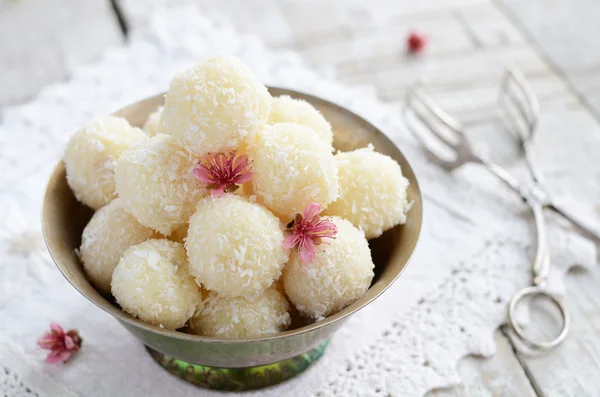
(307, 232)
(223, 173)
(416, 42)
(61, 344)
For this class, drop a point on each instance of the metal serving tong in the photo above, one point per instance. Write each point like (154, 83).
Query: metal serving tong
(444, 141)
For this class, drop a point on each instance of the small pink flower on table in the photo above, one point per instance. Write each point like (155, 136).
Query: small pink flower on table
(307, 232)
(222, 172)
(416, 42)
(60, 343)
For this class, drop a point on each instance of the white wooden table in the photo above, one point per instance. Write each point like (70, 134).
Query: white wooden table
(555, 43)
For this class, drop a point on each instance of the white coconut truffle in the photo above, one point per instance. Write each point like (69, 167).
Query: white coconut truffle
(215, 106)
(156, 182)
(235, 247)
(285, 109)
(91, 155)
(105, 238)
(372, 191)
(152, 124)
(234, 318)
(151, 282)
(292, 168)
(340, 273)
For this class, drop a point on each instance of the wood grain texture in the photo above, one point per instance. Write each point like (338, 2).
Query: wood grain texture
(572, 369)
(501, 376)
(42, 40)
(566, 32)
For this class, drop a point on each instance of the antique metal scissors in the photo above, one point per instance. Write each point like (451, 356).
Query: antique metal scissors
(443, 138)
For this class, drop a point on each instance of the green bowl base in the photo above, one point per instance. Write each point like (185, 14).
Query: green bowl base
(238, 379)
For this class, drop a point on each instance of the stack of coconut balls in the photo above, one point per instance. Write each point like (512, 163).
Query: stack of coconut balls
(229, 207)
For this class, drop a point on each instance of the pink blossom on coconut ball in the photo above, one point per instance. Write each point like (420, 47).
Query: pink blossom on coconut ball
(156, 182)
(340, 273)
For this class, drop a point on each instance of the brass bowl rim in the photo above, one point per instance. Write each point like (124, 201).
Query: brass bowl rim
(120, 315)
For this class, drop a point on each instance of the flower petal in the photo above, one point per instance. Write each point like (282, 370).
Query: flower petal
(311, 211)
(307, 250)
(244, 178)
(56, 328)
(217, 192)
(203, 174)
(307, 255)
(69, 343)
(58, 356)
(290, 241)
(48, 341)
(239, 163)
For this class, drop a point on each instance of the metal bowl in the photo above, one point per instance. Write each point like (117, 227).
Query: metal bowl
(63, 220)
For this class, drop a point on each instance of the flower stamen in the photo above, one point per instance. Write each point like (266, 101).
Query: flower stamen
(222, 172)
(308, 231)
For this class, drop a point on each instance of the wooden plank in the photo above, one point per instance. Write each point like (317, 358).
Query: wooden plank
(488, 26)
(42, 40)
(500, 376)
(572, 369)
(391, 75)
(351, 47)
(566, 30)
(567, 33)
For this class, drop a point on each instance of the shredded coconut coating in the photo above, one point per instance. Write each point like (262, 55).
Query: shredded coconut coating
(152, 124)
(234, 318)
(215, 106)
(91, 156)
(340, 273)
(151, 282)
(235, 247)
(293, 168)
(105, 238)
(372, 191)
(288, 110)
(156, 182)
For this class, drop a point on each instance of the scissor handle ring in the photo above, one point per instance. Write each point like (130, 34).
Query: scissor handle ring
(537, 345)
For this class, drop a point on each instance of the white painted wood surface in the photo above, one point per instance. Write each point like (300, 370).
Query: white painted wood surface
(501, 376)
(471, 41)
(42, 40)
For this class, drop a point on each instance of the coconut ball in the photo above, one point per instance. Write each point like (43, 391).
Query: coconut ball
(238, 317)
(235, 247)
(152, 124)
(215, 106)
(107, 235)
(156, 182)
(151, 282)
(340, 273)
(372, 191)
(285, 109)
(91, 156)
(293, 168)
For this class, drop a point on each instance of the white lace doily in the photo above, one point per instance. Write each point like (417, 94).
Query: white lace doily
(473, 255)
